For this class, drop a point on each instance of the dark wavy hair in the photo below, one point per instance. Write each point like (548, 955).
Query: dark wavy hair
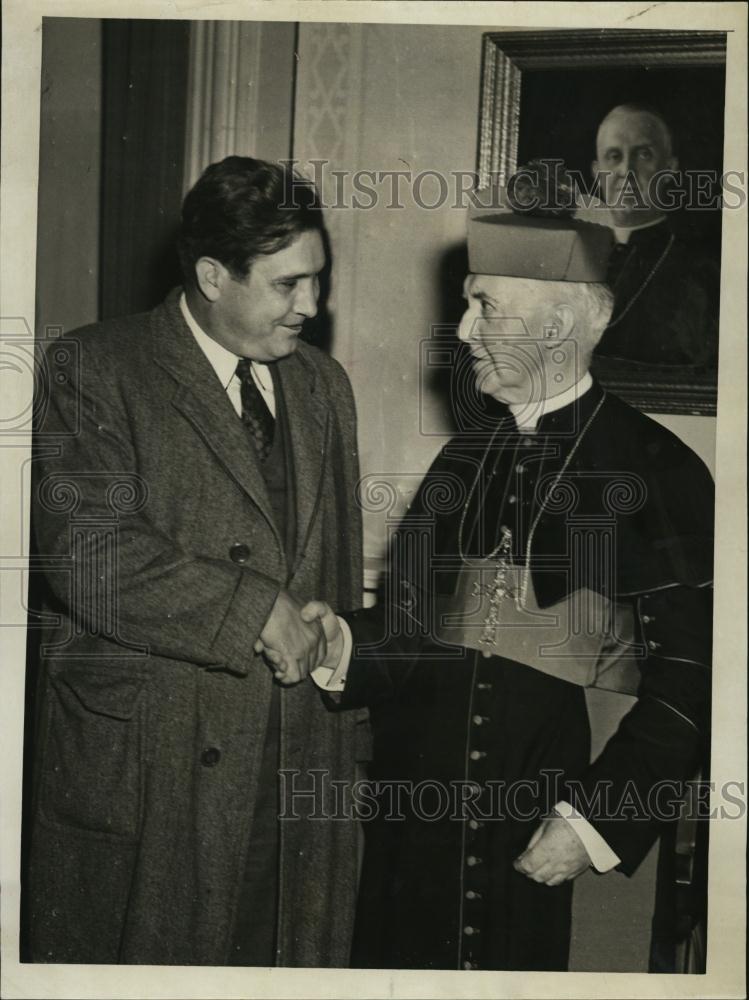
(240, 209)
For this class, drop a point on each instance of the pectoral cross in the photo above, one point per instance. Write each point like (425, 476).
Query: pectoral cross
(498, 589)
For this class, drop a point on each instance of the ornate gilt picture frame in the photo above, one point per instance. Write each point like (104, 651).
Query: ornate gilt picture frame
(543, 94)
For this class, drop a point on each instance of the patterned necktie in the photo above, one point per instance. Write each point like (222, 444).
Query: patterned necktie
(256, 416)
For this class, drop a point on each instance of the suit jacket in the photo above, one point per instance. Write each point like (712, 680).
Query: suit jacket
(163, 561)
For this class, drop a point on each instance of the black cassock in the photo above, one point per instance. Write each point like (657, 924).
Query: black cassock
(501, 739)
(666, 301)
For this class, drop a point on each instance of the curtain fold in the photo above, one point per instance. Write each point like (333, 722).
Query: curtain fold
(145, 110)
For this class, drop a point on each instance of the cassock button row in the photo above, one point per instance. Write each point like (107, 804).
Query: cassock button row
(477, 754)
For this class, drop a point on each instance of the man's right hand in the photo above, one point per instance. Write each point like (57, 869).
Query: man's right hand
(292, 646)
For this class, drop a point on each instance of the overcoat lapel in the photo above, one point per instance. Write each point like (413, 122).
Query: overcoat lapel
(202, 400)
(308, 416)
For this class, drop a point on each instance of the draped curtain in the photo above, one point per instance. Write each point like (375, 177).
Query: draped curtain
(145, 110)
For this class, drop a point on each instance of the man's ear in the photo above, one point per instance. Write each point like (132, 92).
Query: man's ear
(559, 325)
(211, 276)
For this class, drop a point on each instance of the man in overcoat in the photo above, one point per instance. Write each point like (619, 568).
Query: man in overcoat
(193, 484)
(564, 543)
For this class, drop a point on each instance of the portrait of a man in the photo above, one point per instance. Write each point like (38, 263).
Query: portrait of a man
(640, 128)
(666, 291)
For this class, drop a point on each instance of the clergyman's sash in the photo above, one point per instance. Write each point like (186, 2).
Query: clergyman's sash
(585, 639)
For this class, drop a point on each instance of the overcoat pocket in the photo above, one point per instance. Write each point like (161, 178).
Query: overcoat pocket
(93, 757)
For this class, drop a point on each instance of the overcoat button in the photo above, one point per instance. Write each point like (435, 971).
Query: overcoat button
(239, 552)
(653, 645)
(470, 931)
(477, 754)
(472, 861)
(210, 757)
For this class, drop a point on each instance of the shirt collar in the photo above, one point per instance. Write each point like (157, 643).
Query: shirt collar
(527, 416)
(623, 233)
(223, 362)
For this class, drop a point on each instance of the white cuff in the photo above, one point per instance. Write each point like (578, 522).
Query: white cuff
(333, 678)
(601, 856)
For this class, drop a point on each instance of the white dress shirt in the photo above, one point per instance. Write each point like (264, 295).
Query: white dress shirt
(224, 363)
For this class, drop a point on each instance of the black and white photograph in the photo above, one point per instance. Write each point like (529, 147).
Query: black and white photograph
(373, 428)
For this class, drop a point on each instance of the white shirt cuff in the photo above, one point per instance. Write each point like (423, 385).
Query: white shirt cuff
(332, 678)
(601, 856)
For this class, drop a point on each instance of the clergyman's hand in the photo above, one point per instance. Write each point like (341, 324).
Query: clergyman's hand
(554, 853)
(291, 645)
(322, 612)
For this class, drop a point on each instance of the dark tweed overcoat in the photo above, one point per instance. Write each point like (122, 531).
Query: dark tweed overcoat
(163, 562)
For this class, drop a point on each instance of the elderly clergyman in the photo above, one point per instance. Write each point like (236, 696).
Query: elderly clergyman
(567, 544)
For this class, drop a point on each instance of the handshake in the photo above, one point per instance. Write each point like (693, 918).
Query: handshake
(296, 640)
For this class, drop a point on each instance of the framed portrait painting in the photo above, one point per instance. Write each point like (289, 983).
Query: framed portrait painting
(545, 95)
